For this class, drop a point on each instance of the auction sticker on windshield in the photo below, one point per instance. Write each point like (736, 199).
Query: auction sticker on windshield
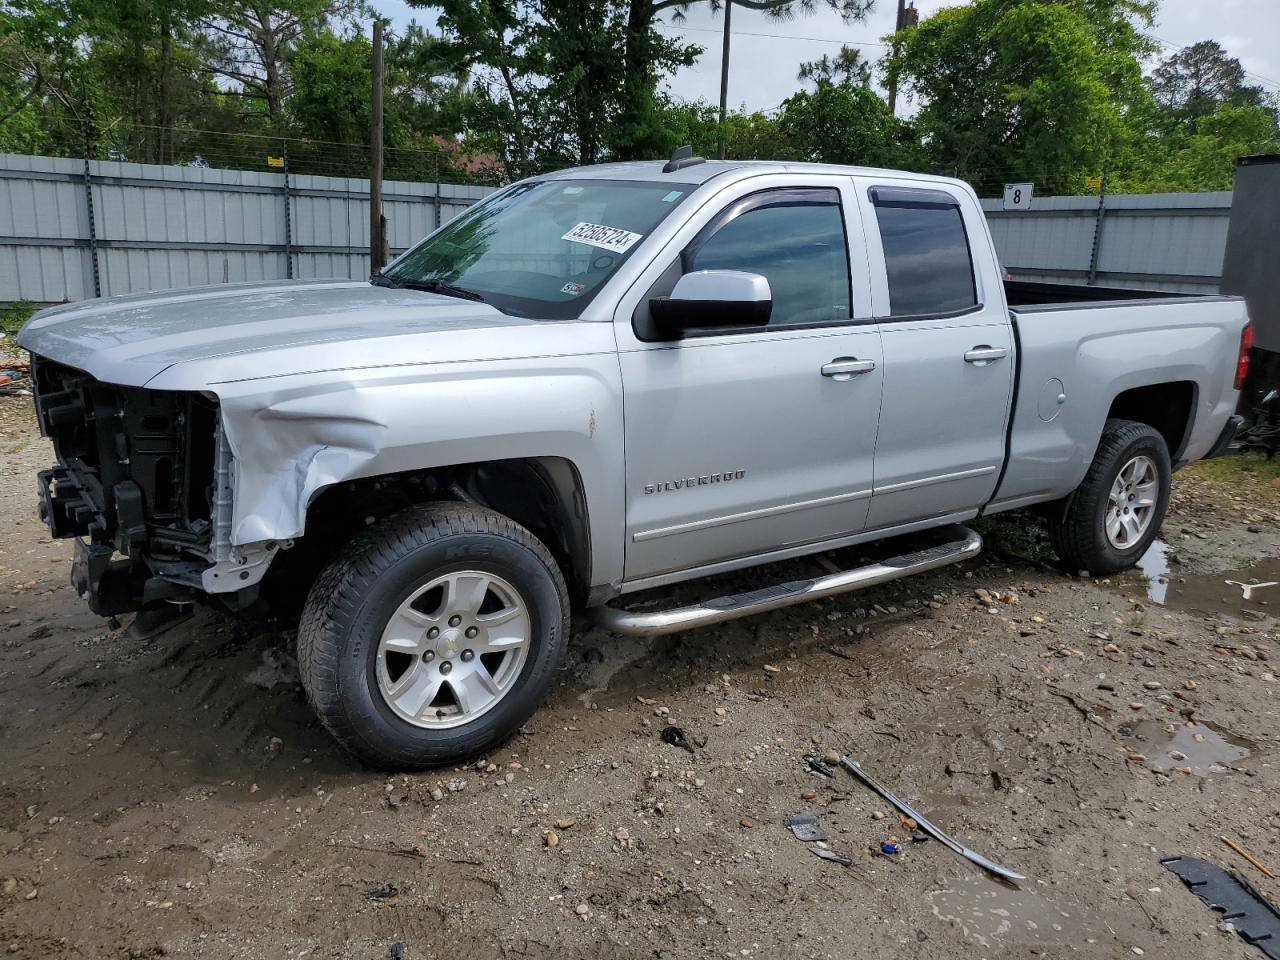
(598, 235)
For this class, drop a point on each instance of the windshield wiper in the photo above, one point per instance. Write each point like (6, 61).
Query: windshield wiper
(429, 286)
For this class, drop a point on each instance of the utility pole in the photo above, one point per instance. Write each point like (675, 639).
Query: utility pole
(908, 16)
(724, 79)
(376, 246)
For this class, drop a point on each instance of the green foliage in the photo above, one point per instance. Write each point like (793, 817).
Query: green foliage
(1025, 87)
(549, 86)
(1047, 90)
(839, 123)
(1199, 79)
(1205, 159)
(14, 315)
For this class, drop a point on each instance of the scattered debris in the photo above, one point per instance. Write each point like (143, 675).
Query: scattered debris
(805, 827)
(817, 766)
(1246, 589)
(989, 865)
(675, 736)
(397, 951)
(387, 894)
(831, 855)
(1253, 916)
(889, 848)
(1248, 856)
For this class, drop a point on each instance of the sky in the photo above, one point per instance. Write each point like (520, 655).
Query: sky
(762, 69)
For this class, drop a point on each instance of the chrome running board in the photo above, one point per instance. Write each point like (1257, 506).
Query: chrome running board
(962, 543)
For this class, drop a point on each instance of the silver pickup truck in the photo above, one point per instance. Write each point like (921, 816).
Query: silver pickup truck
(597, 382)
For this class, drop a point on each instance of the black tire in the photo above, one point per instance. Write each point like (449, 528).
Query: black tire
(354, 597)
(1078, 530)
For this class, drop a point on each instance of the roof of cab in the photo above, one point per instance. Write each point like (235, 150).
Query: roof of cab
(700, 173)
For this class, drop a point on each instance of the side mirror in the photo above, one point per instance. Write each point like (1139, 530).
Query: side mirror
(713, 298)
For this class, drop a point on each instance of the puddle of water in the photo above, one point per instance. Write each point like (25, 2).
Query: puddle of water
(991, 913)
(1170, 746)
(1154, 565)
(1212, 592)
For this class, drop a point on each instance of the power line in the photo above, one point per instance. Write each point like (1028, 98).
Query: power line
(772, 36)
(1253, 76)
(872, 43)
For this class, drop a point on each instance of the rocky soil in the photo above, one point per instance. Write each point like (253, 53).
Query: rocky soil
(169, 794)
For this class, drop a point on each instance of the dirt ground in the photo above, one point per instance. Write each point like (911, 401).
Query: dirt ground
(173, 796)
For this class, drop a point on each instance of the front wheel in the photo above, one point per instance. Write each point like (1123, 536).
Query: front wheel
(1108, 523)
(434, 637)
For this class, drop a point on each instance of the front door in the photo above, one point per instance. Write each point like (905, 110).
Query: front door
(743, 442)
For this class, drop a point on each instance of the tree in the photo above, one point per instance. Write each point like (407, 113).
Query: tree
(549, 87)
(840, 123)
(248, 43)
(847, 67)
(40, 71)
(1046, 90)
(1199, 79)
(531, 56)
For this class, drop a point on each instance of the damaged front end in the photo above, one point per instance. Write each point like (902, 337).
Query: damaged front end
(144, 483)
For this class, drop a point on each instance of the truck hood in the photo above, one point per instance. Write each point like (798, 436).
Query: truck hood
(131, 339)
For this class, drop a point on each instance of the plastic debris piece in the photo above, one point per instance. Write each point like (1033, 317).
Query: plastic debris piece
(817, 766)
(831, 855)
(805, 827)
(387, 894)
(889, 849)
(675, 736)
(1254, 917)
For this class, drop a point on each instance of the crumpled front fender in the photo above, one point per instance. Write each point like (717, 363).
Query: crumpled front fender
(292, 437)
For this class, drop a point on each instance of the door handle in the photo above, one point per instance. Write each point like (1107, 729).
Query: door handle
(984, 354)
(846, 368)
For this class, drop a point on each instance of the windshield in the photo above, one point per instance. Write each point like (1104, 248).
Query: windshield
(541, 249)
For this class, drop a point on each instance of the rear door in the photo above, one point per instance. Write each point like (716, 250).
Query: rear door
(748, 441)
(948, 352)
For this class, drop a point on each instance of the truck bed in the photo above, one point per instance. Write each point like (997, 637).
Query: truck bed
(1039, 295)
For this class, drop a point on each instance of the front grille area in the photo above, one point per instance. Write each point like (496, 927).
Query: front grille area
(135, 466)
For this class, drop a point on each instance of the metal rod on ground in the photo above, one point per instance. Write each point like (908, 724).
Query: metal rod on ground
(375, 157)
(989, 865)
(724, 80)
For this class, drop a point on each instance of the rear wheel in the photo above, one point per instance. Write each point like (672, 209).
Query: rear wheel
(1108, 523)
(434, 637)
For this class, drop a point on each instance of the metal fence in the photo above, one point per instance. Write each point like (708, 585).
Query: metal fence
(1158, 241)
(72, 229)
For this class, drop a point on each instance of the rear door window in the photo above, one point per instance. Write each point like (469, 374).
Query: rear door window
(926, 252)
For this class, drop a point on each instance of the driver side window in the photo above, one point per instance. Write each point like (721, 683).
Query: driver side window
(796, 240)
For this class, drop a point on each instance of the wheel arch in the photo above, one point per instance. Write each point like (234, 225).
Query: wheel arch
(545, 494)
(1167, 407)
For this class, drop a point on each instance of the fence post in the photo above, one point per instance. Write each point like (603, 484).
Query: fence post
(93, 231)
(288, 219)
(1097, 224)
